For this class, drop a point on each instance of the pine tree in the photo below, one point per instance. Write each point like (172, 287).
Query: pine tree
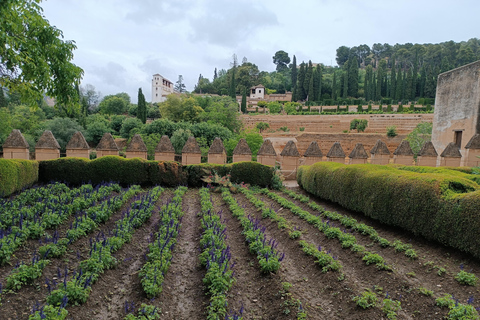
(141, 107)
(243, 107)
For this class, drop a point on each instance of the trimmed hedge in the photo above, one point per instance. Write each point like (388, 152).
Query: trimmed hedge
(440, 205)
(138, 171)
(16, 174)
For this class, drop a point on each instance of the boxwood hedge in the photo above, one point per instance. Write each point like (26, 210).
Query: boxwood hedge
(16, 174)
(438, 203)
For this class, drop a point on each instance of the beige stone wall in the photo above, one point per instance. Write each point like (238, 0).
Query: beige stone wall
(450, 162)
(357, 161)
(191, 158)
(426, 161)
(46, 154)
(266, 160)
(164, 156)
(289, 163)
(217, 158)
(380, 159)
(404, 160)
(472, 158)
(241, 157)
(78, 153)
(135, 154)
(457, 104)
(16, 153)
(336, 159)
(307, 161)
(103, 153)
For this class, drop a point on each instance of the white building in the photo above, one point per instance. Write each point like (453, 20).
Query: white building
(161, 88)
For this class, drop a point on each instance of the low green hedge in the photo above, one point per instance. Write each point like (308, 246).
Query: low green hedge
(441, 205)
(16, 174)
(143, 172)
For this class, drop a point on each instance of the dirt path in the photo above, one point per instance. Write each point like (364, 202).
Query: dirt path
(183, 295)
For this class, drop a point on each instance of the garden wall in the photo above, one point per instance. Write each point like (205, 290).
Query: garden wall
(437, 203)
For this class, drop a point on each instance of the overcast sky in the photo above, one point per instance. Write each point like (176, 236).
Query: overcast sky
(122, 43)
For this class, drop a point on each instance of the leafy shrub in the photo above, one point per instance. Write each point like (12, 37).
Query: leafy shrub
(392, 131)
(367, 300)
(359, 124)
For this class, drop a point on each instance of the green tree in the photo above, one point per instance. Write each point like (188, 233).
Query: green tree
(419, 136)
(33, 57)
(142, 107)
(368, 82)
(353, 77)
(281, 59)
(359, 124)
(343, 54)
(301, 94)
(262, 126)
(334, 86)
(179, 138)
(244, 102)
(128, 125)
(179, 85)
(318, 79)
(63, 130)
(95, 131)
(294, 71)
(393, 79)
(113, 105)
(3, 100)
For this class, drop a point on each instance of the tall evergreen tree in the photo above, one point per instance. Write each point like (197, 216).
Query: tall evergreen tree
(367, 84)
(373, 86)
(294, 71)
(380, 80)
(409, 85)
(215, 76)
(423, 78)
(393, 79)
(318, 82)
(334, 86)
(301, 94)
(141, 107)
(353, 77)
(345, 80)
(398, 86)
(243, 107)
(414, 84)
(430, 83)
(311, 88)
(308, 79)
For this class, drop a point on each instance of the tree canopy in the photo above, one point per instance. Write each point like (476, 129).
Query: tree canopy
(34, 58)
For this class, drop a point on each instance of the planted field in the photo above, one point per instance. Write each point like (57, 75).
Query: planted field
(106, 252)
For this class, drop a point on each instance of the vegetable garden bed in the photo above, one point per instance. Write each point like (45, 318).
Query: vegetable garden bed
(106, 252)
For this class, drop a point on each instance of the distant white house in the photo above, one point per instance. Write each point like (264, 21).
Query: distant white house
(161, 88)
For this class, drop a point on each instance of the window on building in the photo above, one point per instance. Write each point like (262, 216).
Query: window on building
(253, 91)
(156, 94)
(259, 91)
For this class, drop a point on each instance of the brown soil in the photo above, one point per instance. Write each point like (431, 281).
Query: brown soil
(324, 295)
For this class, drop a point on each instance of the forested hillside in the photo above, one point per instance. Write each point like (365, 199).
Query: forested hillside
(400, 72)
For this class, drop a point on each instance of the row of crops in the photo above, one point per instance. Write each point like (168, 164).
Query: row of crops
(55, 217)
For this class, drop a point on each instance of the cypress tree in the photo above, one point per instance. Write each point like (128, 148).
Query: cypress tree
(141, 107)
(294, 94)
(423, 77)
(215, 76)
(345, 81)
(243, 107)
(373, 86)
(429, 83)
(318, 77)
(415, 77)
(301, 94)
(294, 71)
(368, 82)
(307, 81)
(409, 85)
(380, 80)
(353, 77)
(334, 86)
(311, 88)
(398, 83)
(233, 85)
(393, 80)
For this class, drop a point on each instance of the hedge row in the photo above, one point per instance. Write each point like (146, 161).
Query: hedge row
(441, 205)
(144, 172)
(16, 174)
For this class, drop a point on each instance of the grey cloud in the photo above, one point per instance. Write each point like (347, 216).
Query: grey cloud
(162, 12)
(230, 25)
(112, 74)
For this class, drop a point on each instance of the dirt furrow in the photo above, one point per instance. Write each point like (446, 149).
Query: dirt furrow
(259, 294)
(183, 296)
